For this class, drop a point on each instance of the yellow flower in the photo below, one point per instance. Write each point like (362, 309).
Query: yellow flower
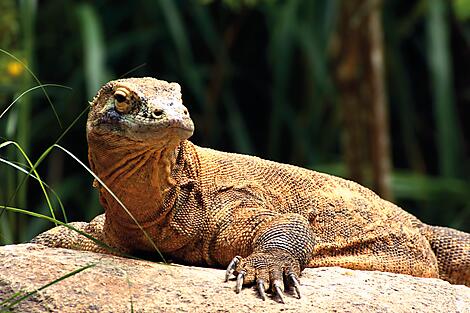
(15, 68)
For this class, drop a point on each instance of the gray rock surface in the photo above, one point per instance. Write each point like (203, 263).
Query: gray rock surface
(124, 285)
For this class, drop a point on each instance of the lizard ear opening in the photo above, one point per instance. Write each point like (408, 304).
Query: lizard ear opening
(121, 95)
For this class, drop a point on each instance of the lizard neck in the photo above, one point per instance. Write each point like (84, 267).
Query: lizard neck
(139, 175)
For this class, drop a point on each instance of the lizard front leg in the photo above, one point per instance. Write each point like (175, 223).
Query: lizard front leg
(274, 248)
(64, 237)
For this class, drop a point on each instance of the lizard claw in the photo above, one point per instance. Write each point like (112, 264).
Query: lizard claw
(240, 277)
(261, 289)
(277, 290)
(231, 267)
(295, 282)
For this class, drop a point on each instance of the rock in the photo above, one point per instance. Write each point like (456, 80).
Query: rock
(118, 284)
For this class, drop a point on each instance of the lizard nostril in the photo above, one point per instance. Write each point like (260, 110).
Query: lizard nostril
(185, 112)
(157, 113)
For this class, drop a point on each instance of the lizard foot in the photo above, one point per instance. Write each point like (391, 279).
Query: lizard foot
(271, 269)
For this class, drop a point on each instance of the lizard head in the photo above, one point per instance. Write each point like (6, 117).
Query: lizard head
(142, 110)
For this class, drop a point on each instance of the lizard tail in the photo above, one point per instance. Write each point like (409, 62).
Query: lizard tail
(452, 249)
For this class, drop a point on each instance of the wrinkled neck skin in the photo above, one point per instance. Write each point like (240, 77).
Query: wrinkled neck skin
(138, 174)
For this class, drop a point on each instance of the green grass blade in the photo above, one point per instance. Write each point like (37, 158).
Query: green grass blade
(15, 299)
(60, 223)
(114, 196)
(133, 70)
(67, 129)
(29, 90)
(38, 82)
(41, 158)
(7, 143)
(46, 185)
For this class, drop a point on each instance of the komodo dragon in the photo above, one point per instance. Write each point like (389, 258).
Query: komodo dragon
(266, 221)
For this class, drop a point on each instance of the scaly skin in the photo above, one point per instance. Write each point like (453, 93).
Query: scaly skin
(266, 221)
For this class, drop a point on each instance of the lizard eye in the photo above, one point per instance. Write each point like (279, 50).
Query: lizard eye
(121, 95)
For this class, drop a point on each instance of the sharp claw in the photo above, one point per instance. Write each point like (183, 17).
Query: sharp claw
(240, 281)
(261, 289)
(278, 291)
(298, 291)
(231, 267)
(296, 283)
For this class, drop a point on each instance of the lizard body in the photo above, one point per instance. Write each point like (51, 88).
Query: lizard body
(266, 221)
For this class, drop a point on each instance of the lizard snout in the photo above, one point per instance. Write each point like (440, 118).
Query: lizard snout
(170, 110)
(172, 114)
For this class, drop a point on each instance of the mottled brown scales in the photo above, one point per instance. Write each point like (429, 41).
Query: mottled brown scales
(266, 221)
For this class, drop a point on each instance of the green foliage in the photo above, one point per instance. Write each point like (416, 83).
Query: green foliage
(94, 50)
(462, 9)
(257, 77)
(448, 130)
(240, 4)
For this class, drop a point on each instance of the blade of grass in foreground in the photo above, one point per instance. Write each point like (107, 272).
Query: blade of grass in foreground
(57, 222)
(27, 91)
(37, 80)
(49, 203)
(114, 196)
(46, 185)
(41, 158)
(133, 70)
(7, 305)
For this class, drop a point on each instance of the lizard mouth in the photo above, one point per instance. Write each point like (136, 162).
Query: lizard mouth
(145, 129)
(178, 124)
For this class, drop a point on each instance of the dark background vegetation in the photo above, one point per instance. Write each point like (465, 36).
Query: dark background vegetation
(290, 81)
